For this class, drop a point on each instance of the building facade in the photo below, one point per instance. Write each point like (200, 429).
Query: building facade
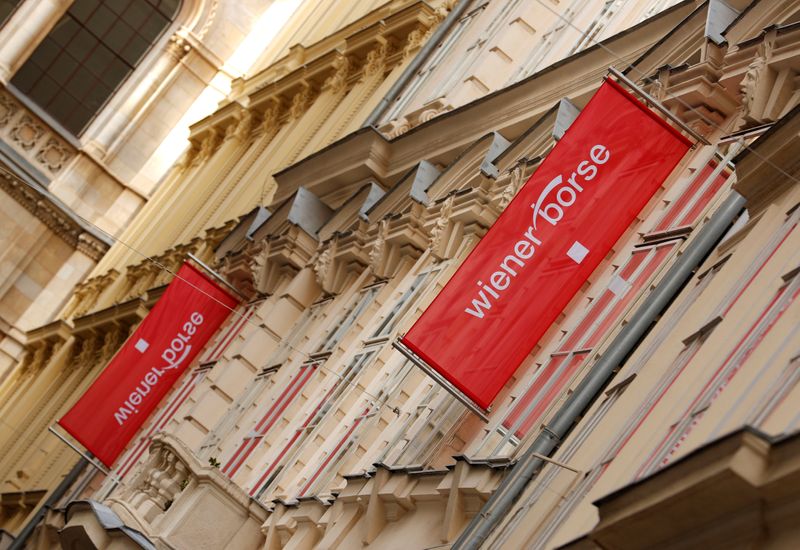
(301, 427)
(95, 106)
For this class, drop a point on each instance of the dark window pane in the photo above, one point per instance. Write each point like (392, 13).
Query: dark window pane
(119, 6)
(26, 77)
(97, 96)
(153, 27)
(82, 10)
(89, 53)
(115, 73)
(81, 83)
(79, 119)
(101, 58)
(169, 8)
(46, 53)
(134, 50)
(82, 45)
(120, 37)
(136, 14)
(101, 21)
(62, 69)
(64, 30)
(44, 90)
(62, 106)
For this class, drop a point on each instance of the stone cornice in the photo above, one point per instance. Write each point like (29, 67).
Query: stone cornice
(363, 48)
(62, 222)
(355, 40)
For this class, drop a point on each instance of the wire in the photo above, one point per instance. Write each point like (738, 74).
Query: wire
(235, 311)
(649, 80)
(306, 355)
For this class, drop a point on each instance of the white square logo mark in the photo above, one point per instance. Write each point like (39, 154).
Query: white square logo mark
(577, 252)
(142, 345)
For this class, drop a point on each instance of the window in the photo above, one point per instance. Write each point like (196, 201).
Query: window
(721, 378)
(339, 383)
(87, 55)
(270, 417)
(353, 311)
(694, 199)
(431, 426)
(177, 398)
(326, 465)
(778, 391)
(551, 378)
(589, 37)
(431, 64)
(227, 424)
(402, 305)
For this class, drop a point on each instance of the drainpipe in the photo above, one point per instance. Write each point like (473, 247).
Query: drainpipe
(417, 62)
(513, 485)
(55, 496)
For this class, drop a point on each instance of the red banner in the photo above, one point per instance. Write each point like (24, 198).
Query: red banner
(116, 405)
(544, 246)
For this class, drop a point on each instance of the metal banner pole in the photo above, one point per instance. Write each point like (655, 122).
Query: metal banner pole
(452, 390)
(214, 274)
(655, 103)
(88, 457)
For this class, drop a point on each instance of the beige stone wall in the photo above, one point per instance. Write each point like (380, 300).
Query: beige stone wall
(301, 427)
(103, 177)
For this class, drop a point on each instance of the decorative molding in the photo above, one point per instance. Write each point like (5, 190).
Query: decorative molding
(342, 67)
(32, 138)
(58, 221)
(301, 101)
(178, 47)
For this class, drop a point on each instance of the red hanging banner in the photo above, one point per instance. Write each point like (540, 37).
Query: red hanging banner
(546, 244)
(116, 405)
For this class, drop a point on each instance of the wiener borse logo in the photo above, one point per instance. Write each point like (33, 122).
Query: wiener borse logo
(173, 356)
(549, 207)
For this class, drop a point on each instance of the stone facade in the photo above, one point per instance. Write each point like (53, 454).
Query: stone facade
(64, 197)
(300, 426)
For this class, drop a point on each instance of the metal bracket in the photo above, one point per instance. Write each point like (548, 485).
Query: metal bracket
(215, 275)
(442, 381)
(657, 105)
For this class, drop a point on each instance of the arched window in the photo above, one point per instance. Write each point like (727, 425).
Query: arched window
(88, 54)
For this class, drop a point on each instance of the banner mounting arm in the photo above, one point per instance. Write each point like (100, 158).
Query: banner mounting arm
(86, 456)
(216, 275)
(657, 105)
(452, 390)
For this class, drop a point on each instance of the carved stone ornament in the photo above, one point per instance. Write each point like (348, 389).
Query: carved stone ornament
(257, 262)
(178, 47)
(26, 133)
(35, 358)
(88, 348)
(53, 155)
(413, 42)
(337, 82)
(375, 63)
(54, 218)
(271, 117)
(8, 108)
(511, 188)
(377, 252)
(160, 481)
(750, 82)
(440, 226)
(244, 126)
(323, 263)
(208, 146)
(188, 157)
(301, 101)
